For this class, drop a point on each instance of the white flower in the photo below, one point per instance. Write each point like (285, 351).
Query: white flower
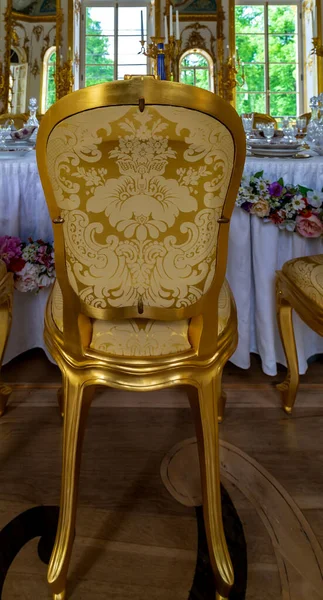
(298, 203)
(45, 280)
(288, 224)
(28, 279)
(315, 199)
(261, 186)
(29, 252)
(290, 210)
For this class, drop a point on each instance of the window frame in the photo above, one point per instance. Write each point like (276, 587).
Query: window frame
(300, 79)
(209, 68)
(51, 50)
(109, 3)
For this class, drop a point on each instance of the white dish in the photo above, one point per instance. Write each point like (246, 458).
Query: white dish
(274, 146)
(14, 152)
(26, 143)
(274, 152)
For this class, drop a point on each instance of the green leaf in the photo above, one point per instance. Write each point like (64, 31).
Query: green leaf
(258, 175)
(303, 190)
(281, 181)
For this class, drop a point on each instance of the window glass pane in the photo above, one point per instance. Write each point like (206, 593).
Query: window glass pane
(202, 78)
(98, 74)
(51, 85)
(283, 105)
(250, 102)
(254, 78)
(251, 48)
(195, 59)
(128, 48)
(250, 19)
(99, 50)
(282, 78)
(99, 20)
(187, 76)
(129, 21)
(282, 48)
(131, 70)
(282, 19)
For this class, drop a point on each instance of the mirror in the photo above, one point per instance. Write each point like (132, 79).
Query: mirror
(28, 30)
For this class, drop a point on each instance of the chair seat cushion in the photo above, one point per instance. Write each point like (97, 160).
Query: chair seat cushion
(141, 337)
(306, 273)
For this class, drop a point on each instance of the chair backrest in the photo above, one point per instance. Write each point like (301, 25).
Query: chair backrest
(140, 178)
(263, 118)
(19, 120)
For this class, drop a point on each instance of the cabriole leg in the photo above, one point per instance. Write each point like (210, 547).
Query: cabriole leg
(289, 386)
(77, 402)
(205, 411)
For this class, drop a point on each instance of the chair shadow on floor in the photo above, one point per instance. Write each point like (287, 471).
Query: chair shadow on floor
(41, 521)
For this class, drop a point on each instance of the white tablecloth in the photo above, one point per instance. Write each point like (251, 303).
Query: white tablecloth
(256, 250)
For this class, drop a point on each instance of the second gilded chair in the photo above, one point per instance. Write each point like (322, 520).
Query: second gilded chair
(6, 298)
(140, 178)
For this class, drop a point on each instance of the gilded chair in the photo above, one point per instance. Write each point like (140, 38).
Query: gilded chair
(263, 118)
(306, 116)
(19, 120)
(299, 288)
(6, 296)
(140, 177)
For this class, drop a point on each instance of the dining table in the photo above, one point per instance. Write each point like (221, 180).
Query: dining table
(256, 250)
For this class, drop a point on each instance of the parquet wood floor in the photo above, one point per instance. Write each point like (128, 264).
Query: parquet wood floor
(133, 539)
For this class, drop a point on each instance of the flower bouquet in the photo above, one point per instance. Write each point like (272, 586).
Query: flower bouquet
(290, 207)
(31, 262)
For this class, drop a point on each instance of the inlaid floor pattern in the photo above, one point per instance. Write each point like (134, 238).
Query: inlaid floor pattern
(134, 539)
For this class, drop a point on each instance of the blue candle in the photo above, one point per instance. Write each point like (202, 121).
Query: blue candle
(142, 25)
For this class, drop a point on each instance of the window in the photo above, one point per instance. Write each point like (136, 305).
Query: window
(196, 68)
(49, 84)
(17, 81)
(268, 46)
(111, 36)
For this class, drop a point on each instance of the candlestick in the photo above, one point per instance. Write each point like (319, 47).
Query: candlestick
(142, 24)
(171, 20)
(166, 30)
(178, 37)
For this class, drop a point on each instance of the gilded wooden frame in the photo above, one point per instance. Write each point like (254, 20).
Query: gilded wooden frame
(13, 19)
(290, 297)
(200, 367)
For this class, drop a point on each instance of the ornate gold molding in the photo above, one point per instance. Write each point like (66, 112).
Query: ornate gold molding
(64, 79)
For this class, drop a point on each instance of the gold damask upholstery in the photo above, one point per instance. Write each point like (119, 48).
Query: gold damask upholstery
(141, 337)
(299, 287)
(6, 297)
(140, 178)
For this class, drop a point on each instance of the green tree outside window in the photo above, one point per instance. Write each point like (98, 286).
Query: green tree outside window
(281, 68)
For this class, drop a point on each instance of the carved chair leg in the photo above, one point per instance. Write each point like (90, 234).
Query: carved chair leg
(5, 392)
(76, 409)
(289, 386)
(205, 410)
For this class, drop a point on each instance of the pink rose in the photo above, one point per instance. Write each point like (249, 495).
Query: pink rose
(310, 227)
